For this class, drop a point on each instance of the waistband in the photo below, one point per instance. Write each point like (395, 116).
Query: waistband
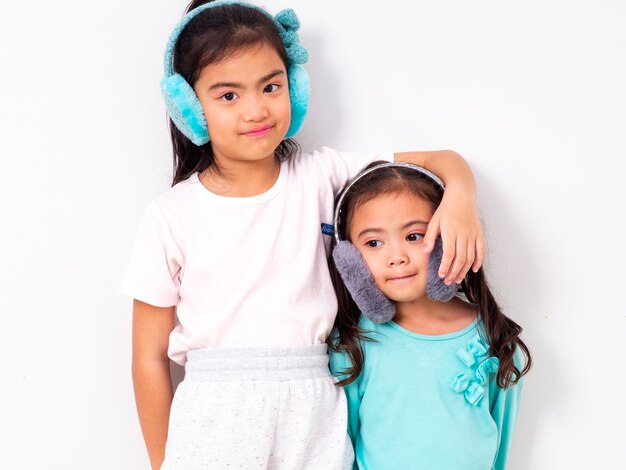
(269, 364)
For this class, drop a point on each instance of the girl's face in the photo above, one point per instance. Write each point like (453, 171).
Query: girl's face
(388, 232)
(245, 99)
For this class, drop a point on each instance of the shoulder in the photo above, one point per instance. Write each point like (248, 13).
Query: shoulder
(339, 360)
(328, 157)
(368, 325)
(315, 157)
(323, 152)
(175, 204)
(165, 216)
(482, 336)
(178, 194)
(377, 336)
(489, 365)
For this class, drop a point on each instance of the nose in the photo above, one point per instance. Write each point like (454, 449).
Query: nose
(256, 110)
(397, 258)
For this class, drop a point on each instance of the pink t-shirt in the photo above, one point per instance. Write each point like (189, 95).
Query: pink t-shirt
(244, 272)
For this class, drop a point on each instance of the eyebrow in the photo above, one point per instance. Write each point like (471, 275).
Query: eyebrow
(375, 230)
(265, 78)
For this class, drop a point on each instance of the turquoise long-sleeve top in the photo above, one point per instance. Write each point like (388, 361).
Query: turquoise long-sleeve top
(428, 402)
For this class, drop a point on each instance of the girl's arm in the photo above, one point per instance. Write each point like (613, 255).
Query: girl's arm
(151, 375)
(504, 406)
(456, 219)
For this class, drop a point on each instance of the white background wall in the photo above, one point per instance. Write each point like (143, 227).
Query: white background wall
(531, 93)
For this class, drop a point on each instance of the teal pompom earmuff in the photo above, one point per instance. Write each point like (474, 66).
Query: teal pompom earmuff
(181, 101)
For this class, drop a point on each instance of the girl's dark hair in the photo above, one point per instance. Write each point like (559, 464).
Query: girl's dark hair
(208, 38)
(502, 332)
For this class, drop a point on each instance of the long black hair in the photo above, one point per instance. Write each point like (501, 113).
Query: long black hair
(208, 38)
(503, 334)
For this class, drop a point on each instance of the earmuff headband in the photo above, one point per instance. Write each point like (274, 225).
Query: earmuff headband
(178, 29)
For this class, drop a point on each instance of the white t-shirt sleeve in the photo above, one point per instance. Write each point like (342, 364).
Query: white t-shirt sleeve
(153, 272)
(341, 167)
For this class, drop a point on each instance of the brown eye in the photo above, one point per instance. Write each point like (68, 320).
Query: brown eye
(270, 88)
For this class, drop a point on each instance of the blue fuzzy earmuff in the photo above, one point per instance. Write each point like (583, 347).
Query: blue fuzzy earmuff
(181, 101)
(357, 277)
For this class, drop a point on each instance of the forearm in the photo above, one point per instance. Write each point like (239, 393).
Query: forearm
(447, 165)
(153, 396)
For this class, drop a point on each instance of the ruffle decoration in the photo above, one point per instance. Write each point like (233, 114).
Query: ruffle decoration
(476, 348)
(474, 354)
(486, 368)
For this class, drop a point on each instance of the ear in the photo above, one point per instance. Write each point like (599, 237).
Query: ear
(436, 289)
(360, 283)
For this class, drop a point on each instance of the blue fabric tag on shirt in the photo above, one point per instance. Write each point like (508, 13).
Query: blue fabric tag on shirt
(328, 229)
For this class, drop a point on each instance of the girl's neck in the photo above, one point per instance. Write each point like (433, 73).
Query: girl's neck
(244, 179)
(429, 317)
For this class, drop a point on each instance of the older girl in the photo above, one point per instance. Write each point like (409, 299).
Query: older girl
(229, 271)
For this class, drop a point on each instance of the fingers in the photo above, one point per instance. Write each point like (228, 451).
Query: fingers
(432, 232)
(463, 247)
(447, 258)
(459, 257)
(458, 263)
(471, 245)
(480, 254)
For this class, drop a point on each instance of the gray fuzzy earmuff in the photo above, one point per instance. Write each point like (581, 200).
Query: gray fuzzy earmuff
(360, 283)
(357, 276)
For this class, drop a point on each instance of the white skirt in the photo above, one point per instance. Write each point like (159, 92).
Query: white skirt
(258, 408)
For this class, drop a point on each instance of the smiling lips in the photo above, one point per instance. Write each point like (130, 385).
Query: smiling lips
(259, 131)
(406, 278)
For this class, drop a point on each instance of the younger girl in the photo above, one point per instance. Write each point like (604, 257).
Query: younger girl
(438, 386)
(229, 271)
